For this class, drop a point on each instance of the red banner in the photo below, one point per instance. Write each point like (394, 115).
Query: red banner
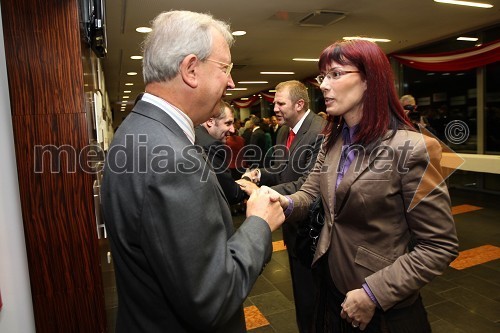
(453, 61)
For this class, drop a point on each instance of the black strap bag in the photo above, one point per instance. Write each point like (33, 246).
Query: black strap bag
(308, 233)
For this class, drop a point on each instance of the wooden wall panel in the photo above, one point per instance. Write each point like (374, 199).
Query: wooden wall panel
(44, 65)
(42, 42)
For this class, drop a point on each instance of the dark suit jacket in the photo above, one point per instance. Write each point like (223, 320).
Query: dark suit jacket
(256, 149)
(289, 168)
(273, 133)
(180, 267)
(219, 156)
(371, 217)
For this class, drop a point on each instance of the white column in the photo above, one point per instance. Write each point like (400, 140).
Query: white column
(17, 311)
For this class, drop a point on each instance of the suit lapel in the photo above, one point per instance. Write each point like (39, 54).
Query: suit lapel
(153, 112)
(302, 131)
(333, 159)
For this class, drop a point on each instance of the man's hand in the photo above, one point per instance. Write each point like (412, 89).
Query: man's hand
(252, 175)
(358, 309)
(265, 204)
(247, 186)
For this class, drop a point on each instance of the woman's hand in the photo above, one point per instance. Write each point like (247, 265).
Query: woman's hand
(358, 309)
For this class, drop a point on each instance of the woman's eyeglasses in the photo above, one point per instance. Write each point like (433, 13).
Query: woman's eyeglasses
(333, 75)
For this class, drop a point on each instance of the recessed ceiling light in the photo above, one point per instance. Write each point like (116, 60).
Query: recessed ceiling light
(136, 57)
(272, 90)
(252, 82)
(132, 73)
(129, 84)
(305, 59)
(244, 98)
(239, 33)
(127, 91)
(143, 30)
(468, 39)
(126, 97)
(229, 94)
(236, 89)
(277, 73)
(466, 3)
(383, 40)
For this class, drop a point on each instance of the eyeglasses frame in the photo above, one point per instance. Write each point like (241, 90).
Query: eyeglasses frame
(229, 67)
(341, 72)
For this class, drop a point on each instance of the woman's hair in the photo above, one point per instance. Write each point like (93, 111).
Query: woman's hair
(175, 35)
(381, 108)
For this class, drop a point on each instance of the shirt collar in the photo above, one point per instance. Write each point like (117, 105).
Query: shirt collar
(348, 133)
(180, 118)
(296, 128)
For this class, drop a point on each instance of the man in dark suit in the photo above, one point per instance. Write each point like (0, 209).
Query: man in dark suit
(180, 267)
(273, 129)
(255, 151)
(211, 135)
(297, 145)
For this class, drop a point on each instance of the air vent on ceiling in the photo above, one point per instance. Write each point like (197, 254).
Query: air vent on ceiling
(321, 18)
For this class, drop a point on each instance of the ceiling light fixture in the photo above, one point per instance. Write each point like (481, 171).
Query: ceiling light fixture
(127, 91)
(382, 40)
(132, 73)
(468, 39)
(305, 59)
(466, 3)
(252, 82)
(239, 33)
(232, 89)
(143, 30)
(244, 98)
(277, 73)
(126, 97)
(229, 94)
(129, 84)
(136, 57)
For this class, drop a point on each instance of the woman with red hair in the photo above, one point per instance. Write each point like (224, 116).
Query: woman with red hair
(388, 227)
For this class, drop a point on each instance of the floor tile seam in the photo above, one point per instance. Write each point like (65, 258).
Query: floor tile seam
(463, 307)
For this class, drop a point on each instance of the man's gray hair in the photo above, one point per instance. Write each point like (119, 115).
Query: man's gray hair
(175, 35)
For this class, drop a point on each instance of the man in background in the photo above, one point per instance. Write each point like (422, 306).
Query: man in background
(297, 145)
(212, 136)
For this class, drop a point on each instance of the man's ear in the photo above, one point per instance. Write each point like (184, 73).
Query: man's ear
(300, 104)
(210, 122)
(189, 70)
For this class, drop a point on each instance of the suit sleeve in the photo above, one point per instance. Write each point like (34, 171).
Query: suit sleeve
(306, 155)
(200, 266)
(219, 156)
(431, 224)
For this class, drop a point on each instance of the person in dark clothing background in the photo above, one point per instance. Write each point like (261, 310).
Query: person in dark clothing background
(211, 135)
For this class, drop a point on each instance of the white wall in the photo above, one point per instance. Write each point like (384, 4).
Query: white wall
(17, 311)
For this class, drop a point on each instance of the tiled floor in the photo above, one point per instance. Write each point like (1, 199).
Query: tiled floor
(466, 299)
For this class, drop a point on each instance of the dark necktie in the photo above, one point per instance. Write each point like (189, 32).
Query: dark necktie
(291, 136)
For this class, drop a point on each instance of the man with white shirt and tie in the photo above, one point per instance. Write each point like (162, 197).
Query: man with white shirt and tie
(297, 145)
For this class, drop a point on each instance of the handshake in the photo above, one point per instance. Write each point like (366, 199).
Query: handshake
(249, 181)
